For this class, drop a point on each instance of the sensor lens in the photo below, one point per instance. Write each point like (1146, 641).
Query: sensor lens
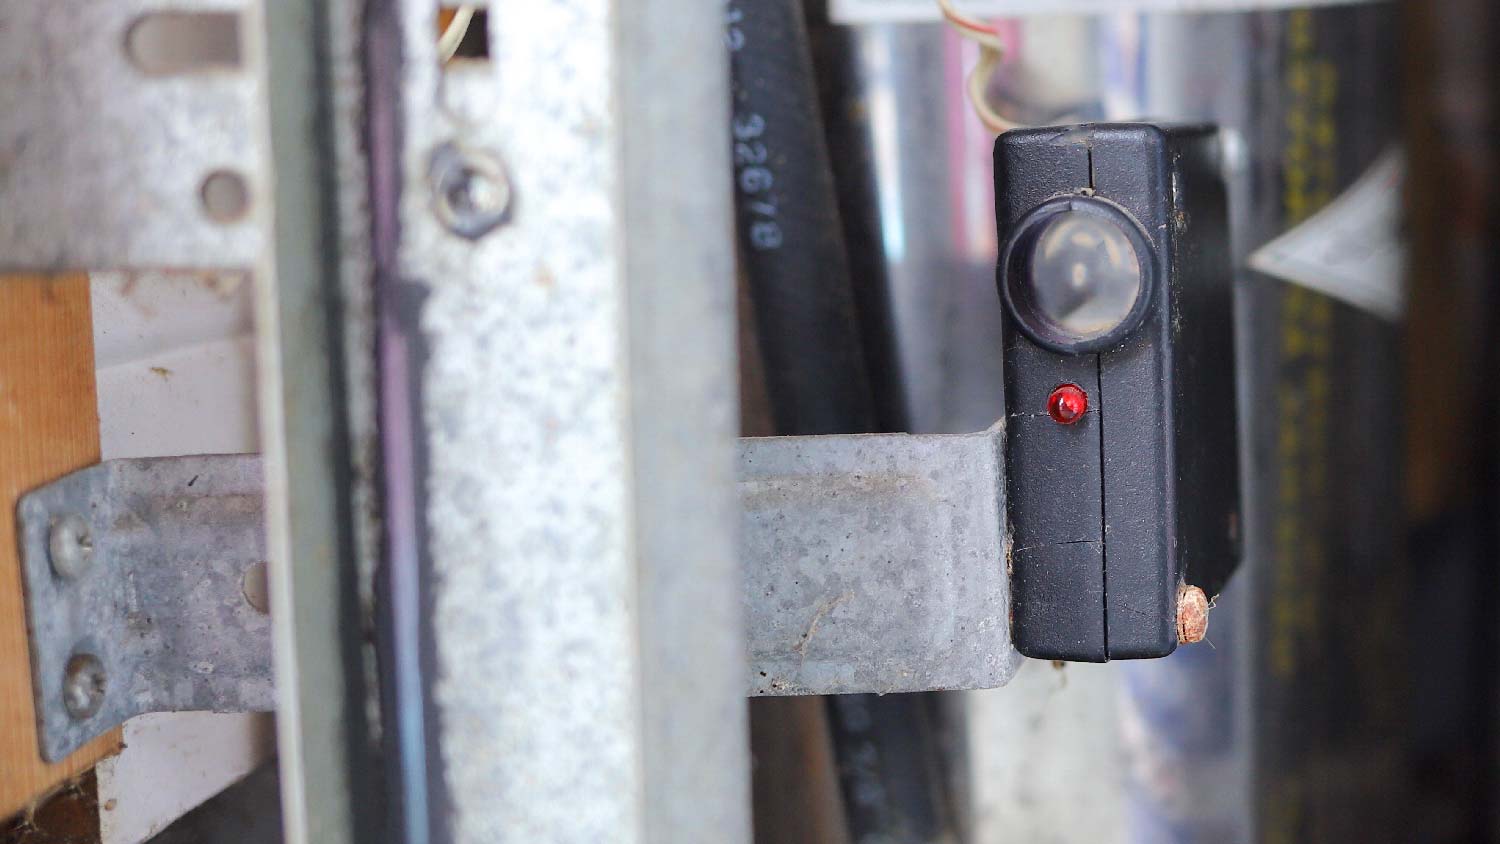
(1085, 275)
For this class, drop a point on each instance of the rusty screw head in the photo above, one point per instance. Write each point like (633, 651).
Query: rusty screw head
(1192, 615)
(70, 546)
(83, 686)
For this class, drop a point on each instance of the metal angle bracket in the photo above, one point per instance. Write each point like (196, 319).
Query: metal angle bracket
(875, 563)
(872, 564)
(145, 592)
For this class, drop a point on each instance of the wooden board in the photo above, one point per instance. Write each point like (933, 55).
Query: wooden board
(49, 425)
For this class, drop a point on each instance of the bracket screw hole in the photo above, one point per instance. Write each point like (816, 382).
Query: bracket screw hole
(225, 196)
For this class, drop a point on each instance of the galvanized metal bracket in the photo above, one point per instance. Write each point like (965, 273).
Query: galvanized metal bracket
(871, 564)
(145, 592)
(108, 162)
(875, 563)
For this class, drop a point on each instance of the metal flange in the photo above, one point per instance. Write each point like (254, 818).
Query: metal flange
(145, 592)
(872, 564)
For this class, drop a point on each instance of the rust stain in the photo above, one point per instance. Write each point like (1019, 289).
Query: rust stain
(544, 277)
(224, 284)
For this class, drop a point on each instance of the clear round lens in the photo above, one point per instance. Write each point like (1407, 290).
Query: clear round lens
(1085, 275)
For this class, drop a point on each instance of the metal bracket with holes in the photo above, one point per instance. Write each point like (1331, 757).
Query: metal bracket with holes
(145, 592)
(872, 564)
(113, 160)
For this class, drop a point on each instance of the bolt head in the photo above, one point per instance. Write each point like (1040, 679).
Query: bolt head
(70, 546)
(471, 191)
(83, 686)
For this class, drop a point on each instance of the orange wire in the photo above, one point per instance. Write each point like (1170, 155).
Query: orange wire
(959, 19)
(991, 50)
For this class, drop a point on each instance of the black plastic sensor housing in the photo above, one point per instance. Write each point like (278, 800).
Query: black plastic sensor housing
(1112, 512)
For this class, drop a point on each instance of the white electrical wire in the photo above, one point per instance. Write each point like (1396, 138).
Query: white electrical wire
(454, 32)
(991, 51)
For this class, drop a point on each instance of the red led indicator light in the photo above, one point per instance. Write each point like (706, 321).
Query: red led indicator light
(1067, 404)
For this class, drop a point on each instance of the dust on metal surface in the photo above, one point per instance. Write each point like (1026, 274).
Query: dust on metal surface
(158, 621)
(523, 392)
(875, 563)
(106, 163)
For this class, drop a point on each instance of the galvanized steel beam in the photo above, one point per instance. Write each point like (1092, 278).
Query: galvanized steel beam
(303, 121)
(871, 564)
(558, 320)
(875, 563)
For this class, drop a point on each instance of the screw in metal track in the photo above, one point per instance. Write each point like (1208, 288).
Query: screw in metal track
(83, 686)
(471, 192)
(70, 546)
